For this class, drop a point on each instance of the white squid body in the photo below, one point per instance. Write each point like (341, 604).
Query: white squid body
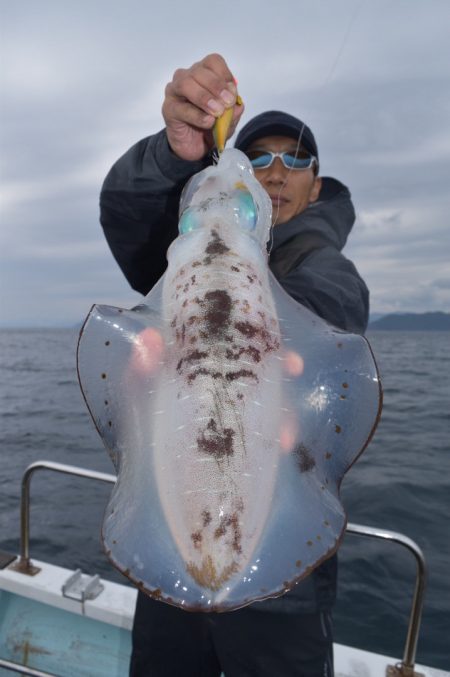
(223, 385)
(229, 460)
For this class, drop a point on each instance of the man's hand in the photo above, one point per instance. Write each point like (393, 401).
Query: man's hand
(194, 99)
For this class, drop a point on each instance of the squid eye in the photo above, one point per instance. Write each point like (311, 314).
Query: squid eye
(189, 220)
(245, 209)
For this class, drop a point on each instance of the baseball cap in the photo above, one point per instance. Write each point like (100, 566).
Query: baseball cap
(276, 123)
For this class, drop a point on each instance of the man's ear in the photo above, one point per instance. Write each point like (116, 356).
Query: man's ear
(315, 190)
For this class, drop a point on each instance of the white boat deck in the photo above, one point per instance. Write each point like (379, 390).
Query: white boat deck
(114, 607)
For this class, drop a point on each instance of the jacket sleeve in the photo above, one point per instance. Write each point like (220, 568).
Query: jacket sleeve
(328, 284)
(139, 208)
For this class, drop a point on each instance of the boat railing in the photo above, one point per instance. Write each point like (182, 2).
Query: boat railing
(24, 565)
(403, 669)
(406, 667)
(24, 669)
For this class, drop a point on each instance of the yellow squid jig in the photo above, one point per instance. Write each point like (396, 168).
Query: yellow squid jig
(222, 126)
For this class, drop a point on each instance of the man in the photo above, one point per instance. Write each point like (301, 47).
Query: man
(290, 635)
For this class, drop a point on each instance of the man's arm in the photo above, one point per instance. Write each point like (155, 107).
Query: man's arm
(328, 284)
(139, 198)
(139, 208)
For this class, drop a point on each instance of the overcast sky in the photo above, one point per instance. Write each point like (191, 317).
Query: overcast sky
(83, 81)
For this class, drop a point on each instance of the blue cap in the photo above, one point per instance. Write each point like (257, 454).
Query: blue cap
(276, 123)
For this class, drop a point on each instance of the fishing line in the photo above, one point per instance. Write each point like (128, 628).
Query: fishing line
(321, 88)
(344, 42)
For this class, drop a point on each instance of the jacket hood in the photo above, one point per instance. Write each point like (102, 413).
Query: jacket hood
(332, 216)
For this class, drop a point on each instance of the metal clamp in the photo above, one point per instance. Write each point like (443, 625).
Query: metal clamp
(401, 670)
(81, 587)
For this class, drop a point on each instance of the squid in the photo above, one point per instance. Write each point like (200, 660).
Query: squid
(230, 411)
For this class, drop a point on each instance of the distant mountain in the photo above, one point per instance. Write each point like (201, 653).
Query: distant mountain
(413, 322)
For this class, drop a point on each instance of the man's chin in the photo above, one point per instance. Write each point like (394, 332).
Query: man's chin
(278, 218)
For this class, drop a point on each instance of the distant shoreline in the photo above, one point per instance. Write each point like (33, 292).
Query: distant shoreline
(436, 321)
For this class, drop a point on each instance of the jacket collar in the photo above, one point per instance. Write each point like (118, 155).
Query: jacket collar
(332, 215)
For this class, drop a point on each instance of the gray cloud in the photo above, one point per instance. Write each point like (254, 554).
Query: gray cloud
(80, 85)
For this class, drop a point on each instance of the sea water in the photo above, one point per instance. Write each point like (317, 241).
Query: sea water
(401, 482)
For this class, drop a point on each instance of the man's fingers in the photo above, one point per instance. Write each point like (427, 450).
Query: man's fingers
(194, 99)
(218, 65)
(215, 75)
(203, 88)
(176, 110)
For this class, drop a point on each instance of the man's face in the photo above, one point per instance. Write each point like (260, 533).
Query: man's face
(291, 190)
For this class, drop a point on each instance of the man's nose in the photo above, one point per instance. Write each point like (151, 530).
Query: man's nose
(277, 172)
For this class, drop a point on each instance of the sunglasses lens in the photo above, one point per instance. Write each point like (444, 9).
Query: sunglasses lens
(300, 160)
(259, 158)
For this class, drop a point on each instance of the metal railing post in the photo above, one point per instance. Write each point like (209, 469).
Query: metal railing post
(409, 653)
(24, 565)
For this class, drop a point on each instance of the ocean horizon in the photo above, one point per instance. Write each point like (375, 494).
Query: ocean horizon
(76, 325)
